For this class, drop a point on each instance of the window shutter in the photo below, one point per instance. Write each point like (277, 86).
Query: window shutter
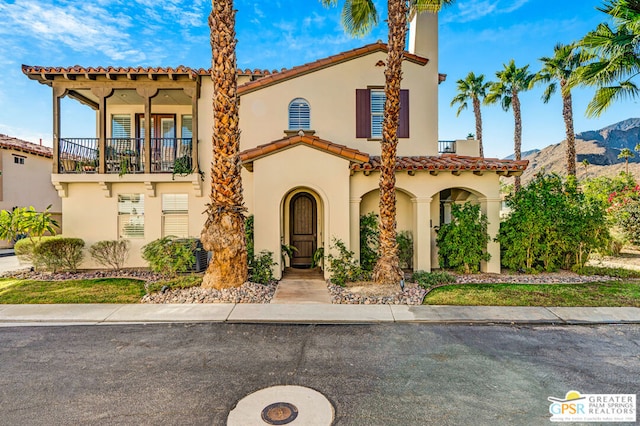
(363, 113)
(403, 129)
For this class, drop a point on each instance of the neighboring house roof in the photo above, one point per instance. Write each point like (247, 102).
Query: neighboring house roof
(448, 163)
(268, 80)
(248, 156)
(8, 142)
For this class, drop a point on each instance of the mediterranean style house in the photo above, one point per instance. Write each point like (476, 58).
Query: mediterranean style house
(310, 141)
(25, 178)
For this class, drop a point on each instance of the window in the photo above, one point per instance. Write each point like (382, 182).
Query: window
(121, 126)
(131, 215)
(175, 215)
(370, 112)
(299, 115)
(187, 127)
(18, 159)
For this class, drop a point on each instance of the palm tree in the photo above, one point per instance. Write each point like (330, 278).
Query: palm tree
(558, 69)
(615, 56)
(473, 88)
(223, 232)
(586, 164)
(511, 81)
(626, 153)
(387, 269)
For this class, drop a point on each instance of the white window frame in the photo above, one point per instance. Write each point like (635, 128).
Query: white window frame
(378, 99)
(299, 113)
(131, 215)
(175, 210)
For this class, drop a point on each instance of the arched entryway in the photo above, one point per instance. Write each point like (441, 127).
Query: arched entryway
(303, 229)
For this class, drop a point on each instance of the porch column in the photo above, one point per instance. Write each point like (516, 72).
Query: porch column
(354, 226)
(58, 92)
(194, 93)
(422, 233)
(102, 93)
(147, 93)
(491, 207)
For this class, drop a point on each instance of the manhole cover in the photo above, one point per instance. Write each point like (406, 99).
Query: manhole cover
(279, 413)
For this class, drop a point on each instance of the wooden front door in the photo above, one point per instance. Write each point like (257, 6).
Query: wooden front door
(303, 229)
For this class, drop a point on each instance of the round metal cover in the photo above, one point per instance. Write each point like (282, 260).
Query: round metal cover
(279, 413)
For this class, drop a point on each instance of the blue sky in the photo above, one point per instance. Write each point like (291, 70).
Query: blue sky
(475, 35)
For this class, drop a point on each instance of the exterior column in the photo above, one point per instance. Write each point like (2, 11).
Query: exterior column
(58, 92)
(354, 226)
(102, 93)
(491, 207)
(147, 93)
(421, 233)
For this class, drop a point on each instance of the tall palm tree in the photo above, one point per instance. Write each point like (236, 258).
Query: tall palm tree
(558, 69)
(614, 54)
(473, 88)
(387, 269)
(626, 153)
(506, 91)
(223, 233)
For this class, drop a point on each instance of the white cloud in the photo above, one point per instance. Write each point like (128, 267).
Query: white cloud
(473, 10)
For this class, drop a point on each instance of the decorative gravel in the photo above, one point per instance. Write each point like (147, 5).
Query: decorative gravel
(140, 274)
(246, 293)
(412, 295)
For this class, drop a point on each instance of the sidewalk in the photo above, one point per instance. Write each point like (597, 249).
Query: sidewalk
(97, 314)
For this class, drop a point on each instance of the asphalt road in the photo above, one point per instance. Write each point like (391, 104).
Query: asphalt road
(389, 374)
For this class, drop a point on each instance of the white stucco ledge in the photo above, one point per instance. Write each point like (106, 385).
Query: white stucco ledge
(61, 181)
(597, 315)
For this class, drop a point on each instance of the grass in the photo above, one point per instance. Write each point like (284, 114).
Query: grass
(592, 294)
(103, 290)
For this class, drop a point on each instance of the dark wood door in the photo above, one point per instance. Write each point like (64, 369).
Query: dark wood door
(303, 232)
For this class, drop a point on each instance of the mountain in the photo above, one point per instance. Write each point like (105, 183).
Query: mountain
(523, 154)
(599, 147)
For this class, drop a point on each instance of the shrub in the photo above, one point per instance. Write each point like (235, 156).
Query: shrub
(344, 267)
(462, 244)
(369, 235)
(24, 249)
(261, 268)
(552, 225)
(405, 248)
(58, 253)
(629, 221)
(248, 235)
(111, 253)
(170, 255)
(430, 279)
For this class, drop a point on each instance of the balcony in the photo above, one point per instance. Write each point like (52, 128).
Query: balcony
(123, 155)
(446, 147)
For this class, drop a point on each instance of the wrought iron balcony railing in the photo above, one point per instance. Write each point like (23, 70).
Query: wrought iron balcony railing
(446, 147)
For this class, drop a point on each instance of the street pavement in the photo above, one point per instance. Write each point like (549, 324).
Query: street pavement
(372, 374)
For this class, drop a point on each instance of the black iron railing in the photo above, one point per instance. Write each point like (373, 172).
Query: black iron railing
(125, 155)
(446, 147)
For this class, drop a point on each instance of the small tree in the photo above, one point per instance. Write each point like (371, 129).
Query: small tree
(462, 244)
(23, 221)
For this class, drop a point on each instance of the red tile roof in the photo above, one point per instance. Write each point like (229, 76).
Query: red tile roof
(268, 80)
(8, 142)
(448, 163)
(250, 155)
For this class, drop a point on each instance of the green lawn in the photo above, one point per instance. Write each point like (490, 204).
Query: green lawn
(104, 290)
(593, 294)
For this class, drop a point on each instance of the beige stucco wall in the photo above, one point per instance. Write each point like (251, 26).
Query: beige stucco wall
(277, 177)
(331, 93)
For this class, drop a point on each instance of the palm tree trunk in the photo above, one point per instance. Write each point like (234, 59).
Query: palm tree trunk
(567, 114)
(223, 233)
(517, 137)
(387, 269)
(478, 114)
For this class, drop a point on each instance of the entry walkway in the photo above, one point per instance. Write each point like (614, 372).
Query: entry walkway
(302, 286)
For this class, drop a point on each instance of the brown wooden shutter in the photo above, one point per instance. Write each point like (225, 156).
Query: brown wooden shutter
(403, 129)
(363, 113)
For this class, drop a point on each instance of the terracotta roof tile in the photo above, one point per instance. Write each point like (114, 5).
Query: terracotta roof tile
(23, 146)
(447, 162)
(250, 155)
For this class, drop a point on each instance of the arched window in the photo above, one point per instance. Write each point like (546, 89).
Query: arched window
(299, 115)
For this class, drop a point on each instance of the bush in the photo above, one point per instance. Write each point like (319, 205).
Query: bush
(170, 255)
(369, 236)
(405, 249)
(552, 225)
(462, 244)
(24, 250)
(430, 279)
(113, 253)
(261, 267)
(58, 253)
(344, 267)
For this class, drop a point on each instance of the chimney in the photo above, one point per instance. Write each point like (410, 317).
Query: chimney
(40, 141)
(423, 37)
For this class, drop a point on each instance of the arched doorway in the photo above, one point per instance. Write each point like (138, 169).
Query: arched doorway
(303, 232)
